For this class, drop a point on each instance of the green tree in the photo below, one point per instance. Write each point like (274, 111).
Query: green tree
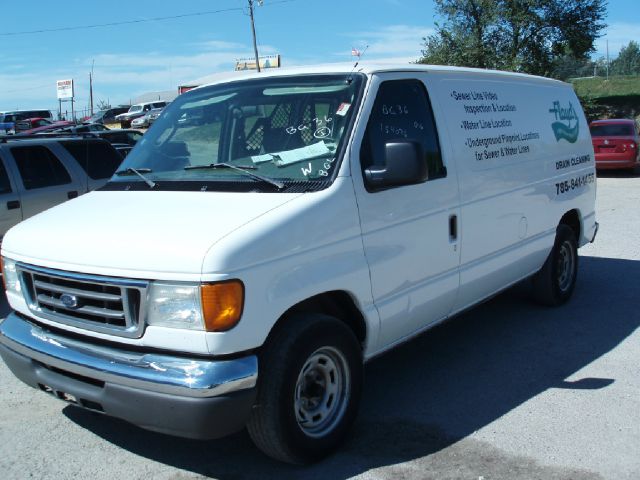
(628, 61)
(518, 35)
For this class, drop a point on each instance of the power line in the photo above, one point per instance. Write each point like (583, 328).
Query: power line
(130, 22)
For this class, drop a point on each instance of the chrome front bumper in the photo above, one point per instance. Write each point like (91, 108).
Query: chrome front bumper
(184, 396)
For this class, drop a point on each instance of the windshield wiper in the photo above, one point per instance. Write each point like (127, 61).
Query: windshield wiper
(138, 172)
(245, 169)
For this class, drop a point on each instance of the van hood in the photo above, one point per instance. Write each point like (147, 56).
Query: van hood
(136, 232)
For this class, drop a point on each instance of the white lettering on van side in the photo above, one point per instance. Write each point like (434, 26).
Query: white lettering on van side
(573, 161)
(474, 95)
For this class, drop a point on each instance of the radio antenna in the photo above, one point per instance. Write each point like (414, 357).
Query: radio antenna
(356, 53)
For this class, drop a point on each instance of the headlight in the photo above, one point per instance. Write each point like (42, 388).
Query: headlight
(214, 307)
(10, 276)
(175, 305)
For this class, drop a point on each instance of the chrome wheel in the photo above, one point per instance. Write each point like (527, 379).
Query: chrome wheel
(566, 266)
(322, 392)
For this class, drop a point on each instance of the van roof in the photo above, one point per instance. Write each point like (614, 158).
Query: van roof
(366, 68)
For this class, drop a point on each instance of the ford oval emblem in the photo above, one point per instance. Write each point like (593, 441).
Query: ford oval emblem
(69, 301)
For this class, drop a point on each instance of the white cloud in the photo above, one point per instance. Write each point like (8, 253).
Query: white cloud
(618, 35)
(121, 76)
(394, 41)
(218, 45)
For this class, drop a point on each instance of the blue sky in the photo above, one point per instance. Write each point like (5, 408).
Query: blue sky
(133, 59)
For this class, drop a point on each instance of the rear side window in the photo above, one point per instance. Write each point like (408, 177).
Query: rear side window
(612, 130)
(5, 184)
(99, 160)
(402, 112)
(39, 167)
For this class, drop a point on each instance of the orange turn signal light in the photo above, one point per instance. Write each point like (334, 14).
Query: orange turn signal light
(222, 304)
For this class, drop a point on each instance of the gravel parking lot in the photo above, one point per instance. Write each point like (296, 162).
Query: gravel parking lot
(509, 390)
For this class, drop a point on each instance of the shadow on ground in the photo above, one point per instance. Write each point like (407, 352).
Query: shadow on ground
(423, 399)
(619, 173)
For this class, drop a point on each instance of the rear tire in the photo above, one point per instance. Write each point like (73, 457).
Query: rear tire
(309, 386)
(554, 283)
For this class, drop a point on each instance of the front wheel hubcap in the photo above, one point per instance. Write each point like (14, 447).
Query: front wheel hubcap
(322, 392)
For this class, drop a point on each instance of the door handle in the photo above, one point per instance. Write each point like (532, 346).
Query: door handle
(453, 227)
(13, 204)
(72, 194)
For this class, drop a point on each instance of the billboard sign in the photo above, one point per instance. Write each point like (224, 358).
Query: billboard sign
(65, 89)
(268, 61)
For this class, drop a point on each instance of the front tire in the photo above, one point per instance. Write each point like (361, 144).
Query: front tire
(554, 283)
(309, 386)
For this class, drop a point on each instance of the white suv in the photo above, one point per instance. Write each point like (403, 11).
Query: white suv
(137, 110)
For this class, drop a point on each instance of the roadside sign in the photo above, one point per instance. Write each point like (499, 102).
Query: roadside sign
(267, 61)
(65, 89)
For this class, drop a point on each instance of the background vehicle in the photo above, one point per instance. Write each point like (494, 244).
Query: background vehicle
(8, 119)
(137, 110)
(120, 136)
(107, 116)
(49, 128)
(84, 128)
(615, 143)
(154, 114)
(146, 120)
(31, 123)
(37, 173)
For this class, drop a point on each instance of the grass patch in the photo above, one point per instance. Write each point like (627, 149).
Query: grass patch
(598, 87)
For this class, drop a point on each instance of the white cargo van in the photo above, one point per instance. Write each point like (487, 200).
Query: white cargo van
(272, 232)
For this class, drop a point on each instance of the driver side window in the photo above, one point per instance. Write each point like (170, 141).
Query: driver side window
(402, 112)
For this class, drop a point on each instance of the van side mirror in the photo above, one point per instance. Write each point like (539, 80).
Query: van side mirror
(405, 164)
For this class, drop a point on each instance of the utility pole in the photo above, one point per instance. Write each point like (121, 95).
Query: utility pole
(607, 59)
(91, 87)
(253, 31)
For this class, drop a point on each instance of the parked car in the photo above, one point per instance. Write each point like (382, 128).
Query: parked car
(238, 270)
(137, 110)
(31, 123)
(9, 119)
(154, 115)
(37, 173)
(51, 127)
(119, 136)
(114, 136)
(146, 120)
(140, 122)
(108, 115)
(615, 143)
(84, 128)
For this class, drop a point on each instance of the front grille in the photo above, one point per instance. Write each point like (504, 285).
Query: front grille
(102, 304)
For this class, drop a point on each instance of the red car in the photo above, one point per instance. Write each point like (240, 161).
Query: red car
(49, 128)
(615, 143)
(31, 123)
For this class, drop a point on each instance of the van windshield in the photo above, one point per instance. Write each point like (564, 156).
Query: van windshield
(289, 129)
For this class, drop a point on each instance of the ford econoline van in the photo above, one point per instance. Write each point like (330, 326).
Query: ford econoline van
(272, 232)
